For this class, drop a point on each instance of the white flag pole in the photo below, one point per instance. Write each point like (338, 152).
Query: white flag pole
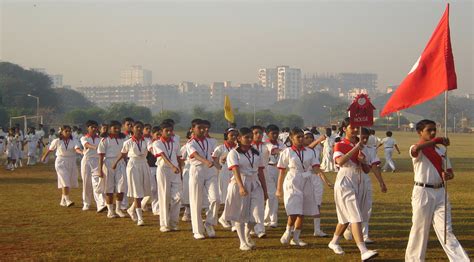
(445, 165)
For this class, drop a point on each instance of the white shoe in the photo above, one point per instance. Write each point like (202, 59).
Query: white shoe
(273, 224)
(186, 218)
(249, 241)
(298, 243)
(156, 213)
(336, 248)
(261, 235)
(319, 233)
(210, 230)
(164, 229)
(285, 239)
(174, 228)
(85, 207)
(266, 224)
(347, 235)
(140, 223)
(69, 203)
(252, 232)
(369, 254)
(111, 215)
(368, 241)
(224, 223)
(101, 209)
(245, 247)
(132, 214)
(199, 236)
(63, 202)
(120, 213)
(233, 229)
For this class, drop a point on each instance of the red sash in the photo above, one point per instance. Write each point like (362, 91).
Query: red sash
(434, 158)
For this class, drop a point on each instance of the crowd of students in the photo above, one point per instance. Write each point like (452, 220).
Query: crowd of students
(249, 173)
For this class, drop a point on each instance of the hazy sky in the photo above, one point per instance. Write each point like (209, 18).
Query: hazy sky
(90, 42)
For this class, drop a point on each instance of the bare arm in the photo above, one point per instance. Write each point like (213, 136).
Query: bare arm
(238, 179)
(281, 178)
(202, 159)
(343, 159)
(122, 156)
(378, 175)
(317, 141)
(396, 147)
(323, 177)
(101, 163)
(168, 162)
(89, 146)
(438, 140)
(45, 155)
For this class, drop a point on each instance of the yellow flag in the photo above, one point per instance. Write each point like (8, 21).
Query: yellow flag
(228, 113)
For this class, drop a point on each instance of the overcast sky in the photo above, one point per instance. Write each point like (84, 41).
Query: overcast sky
(90, 42)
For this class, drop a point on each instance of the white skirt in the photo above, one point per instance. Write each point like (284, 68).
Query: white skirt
(224, 179)
(365, 198)
(246, 209)
(318, 185)
(67, 171)
(114, 179)
(138, 178)
(346, 195)
(298, 194)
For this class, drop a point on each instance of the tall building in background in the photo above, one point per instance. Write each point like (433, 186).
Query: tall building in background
(289, 83)
(136, 76)
(267, 77)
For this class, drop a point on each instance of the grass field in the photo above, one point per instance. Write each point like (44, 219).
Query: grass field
(34, 227)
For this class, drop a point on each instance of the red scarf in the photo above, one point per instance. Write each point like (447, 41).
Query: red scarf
(345, 146)
(434, 158)
(114, 136)
(229, 145)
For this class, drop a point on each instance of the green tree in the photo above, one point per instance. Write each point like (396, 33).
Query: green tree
(80, 116)
(73, 99)
(119, 111)
(166, 114)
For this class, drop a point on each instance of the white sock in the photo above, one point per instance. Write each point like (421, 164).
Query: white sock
(187, 210)
(139, 213)
(289, 229)
(118, 204)
(362, 247)
(317, 224)
(296, 234)
(335, 239)
(110, 207)
(63, 198)
(240, 232)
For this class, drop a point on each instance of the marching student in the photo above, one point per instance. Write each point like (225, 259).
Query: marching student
(104, 130)
(317, 185)
(348, 157)
(51, 137)
(168, 175)
(327, 163)
(202, 181)
(389, 143)
(273, 148)
(66, 148)
(296, 186)
(428, 197)
(109, 150)
(258, 144)
(32, 141)
(220, 162)
(138, 177)
(40, 136)
(12, 148)
(247, 190)
(175, 136)
(90, 169)
(152, 160)
(185, 164)
(20, 137)
(127, 126)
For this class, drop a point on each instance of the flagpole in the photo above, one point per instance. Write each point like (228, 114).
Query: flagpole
(445, 165)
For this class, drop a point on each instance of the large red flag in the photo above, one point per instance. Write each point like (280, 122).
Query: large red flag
(431, 75)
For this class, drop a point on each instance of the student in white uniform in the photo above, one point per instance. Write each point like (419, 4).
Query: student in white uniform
(348, 157)
(66, 168)
(127, 126)
(220, 162)
(297, 165)
(51, 136)
(40, 136)
(273, 147)
(32, 142)
(12, 148)
(185, 164)
(152, 160)
(138, 177)
(389, 144)
(168, 175)
(212, 147)
(109, 150)
(90, 169)
(318, 186)
(365, 192)
(327, 163)
(428, 201)
(259, 145)
(247, 190)
(20, 138)
(202, 181)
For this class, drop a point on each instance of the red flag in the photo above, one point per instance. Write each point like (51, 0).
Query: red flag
(431, 75)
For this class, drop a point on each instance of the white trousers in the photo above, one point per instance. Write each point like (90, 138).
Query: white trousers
(271, 207)
(327, 163)
(365, 200)
(155, 204)
(224, 180)
(169, 189)
(388, 159)
(90, 180)
(428, 208)
(203, 182)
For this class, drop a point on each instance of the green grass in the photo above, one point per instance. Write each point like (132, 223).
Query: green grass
(34, 227)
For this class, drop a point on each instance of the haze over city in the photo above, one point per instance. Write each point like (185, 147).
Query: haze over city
(90, 42)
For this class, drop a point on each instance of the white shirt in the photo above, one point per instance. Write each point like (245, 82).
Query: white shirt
(273, 157)
(298, 161)
(168, 148)
(371, 157)
(389, 142)
(135, 148)
(93, 141)
(248, 162)
(373, 141)
(262, 149)
(39, 133)
(32, 139)
(221, 152)
(110, 147)
(64, 148)
(425, 171)
(202, 147)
